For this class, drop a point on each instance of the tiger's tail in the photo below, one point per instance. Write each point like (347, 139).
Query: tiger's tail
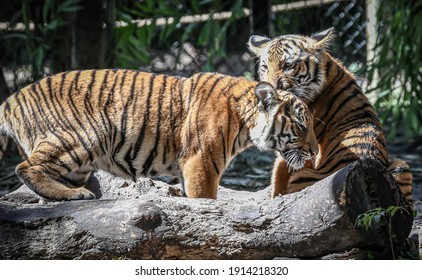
(401, 173)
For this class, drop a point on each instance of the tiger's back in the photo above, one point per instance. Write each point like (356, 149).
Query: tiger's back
(128, 118)
(135, 124)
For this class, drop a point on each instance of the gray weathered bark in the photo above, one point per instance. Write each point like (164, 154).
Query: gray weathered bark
(146, 220)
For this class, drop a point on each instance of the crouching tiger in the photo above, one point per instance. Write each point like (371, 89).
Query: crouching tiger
(346, 124)
(135, 124)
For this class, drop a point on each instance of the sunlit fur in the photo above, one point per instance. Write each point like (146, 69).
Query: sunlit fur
(135, 124)
(346, 124)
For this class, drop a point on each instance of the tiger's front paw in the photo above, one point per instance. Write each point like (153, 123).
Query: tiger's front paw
(80, 194)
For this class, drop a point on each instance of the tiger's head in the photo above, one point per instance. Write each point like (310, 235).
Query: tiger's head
(293, 62)
(284, 124)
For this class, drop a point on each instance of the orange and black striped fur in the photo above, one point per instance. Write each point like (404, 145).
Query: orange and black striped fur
(346, 124)
(134, 124)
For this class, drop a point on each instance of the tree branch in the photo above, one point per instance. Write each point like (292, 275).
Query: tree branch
(145, 220)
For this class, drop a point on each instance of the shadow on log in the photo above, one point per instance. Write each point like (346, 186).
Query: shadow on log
(145, 220)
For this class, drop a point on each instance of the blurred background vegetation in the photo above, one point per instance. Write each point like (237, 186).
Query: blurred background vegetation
(378, 40)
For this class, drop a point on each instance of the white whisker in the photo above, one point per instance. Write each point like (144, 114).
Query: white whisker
(321, 121)
(296, 158)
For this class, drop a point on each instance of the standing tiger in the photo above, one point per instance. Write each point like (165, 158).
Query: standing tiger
(134, 124)
(346, 124)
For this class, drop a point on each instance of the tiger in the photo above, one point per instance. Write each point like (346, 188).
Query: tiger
(137, 124)
(345, 123)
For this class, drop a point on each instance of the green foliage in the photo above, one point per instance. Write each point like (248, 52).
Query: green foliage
(137, 40)
(134, 33)
(375, 216)
(35, 48)
(397, 67)
(365, 220)
(41, 41)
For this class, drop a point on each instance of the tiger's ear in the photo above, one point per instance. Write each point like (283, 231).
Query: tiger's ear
(256, 43)
(323, 38)
(267, 96)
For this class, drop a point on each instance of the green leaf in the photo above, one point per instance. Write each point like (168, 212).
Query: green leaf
(188, 31)
(204, 36)
(125, 17)
(150, 32)
(141, 34)
(69, 6)
(394, 211)
(54, 24)
(195, 6)
(390, 208)
(39, 57)
(167, 30)
(237, 9)
(414, 121)
(149, 6)
(45, 10)
(124, 34)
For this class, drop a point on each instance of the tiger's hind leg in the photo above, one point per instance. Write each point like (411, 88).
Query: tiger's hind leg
(400, 171)
(79, 177)
(54, 176)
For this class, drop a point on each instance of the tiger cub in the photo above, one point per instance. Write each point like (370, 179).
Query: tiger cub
(134, 124)
(347, 126)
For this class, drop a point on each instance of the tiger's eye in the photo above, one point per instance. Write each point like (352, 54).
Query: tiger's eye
(289, 65)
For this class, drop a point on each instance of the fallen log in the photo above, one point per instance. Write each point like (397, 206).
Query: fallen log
(151, 220)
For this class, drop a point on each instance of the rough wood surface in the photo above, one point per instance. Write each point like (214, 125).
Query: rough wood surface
(151, 220)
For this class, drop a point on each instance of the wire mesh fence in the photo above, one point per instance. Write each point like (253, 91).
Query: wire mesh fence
(173, 37)
(274, 18)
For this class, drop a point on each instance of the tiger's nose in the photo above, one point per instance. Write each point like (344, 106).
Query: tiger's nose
(283, 84)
